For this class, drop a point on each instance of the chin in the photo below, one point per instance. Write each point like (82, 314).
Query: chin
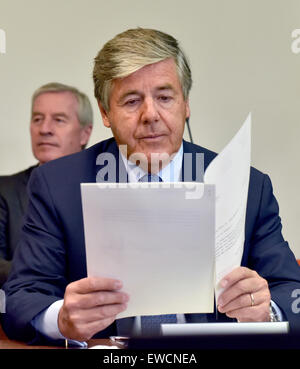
(43, 159)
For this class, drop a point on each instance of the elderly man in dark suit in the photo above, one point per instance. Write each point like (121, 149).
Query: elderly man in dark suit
(61, 124)
(142, 83)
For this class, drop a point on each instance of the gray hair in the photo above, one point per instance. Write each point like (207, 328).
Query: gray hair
(84, 111)
(131, 50)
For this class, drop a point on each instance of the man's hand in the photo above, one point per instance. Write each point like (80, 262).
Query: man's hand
(90, 305)
(246, 296)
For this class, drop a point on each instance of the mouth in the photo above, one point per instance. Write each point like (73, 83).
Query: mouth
(47, 144)
(152, 138)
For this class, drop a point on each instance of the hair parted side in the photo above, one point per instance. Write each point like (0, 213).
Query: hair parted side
(131, 50)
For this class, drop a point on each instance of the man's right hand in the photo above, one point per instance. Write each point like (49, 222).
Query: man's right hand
(90, 305)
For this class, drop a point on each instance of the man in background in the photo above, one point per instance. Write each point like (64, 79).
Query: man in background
(61, 124)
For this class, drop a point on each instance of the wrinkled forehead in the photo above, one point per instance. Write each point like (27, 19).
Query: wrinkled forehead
(55, 100)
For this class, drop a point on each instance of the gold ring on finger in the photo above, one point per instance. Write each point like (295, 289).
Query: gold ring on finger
(252, 299)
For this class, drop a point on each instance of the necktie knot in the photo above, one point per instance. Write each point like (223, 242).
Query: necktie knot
(150, 178)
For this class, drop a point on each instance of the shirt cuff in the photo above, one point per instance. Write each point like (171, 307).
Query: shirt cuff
(277, 310)
(46, 323)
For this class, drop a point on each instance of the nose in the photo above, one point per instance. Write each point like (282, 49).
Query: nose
(46, 127)
(150, 112)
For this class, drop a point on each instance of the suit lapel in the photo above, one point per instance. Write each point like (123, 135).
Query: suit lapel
(194, 162)
(110, 167)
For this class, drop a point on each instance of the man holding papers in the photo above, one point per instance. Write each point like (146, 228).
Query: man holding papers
(142, 83)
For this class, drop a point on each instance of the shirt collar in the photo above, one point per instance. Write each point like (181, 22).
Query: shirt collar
(170, 173)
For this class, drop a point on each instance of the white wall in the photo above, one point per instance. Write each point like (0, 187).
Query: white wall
(240, 53)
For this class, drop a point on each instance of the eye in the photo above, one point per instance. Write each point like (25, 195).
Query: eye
(165, 98)
(36, 120)
(131, 102)
(59, 120)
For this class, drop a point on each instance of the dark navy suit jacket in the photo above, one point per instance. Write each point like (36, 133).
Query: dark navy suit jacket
(13, 205)
(51, 253)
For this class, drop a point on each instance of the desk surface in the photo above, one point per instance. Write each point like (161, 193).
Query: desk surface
(6, 343)
(221, 342)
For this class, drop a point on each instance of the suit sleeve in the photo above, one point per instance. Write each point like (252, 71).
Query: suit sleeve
(38, 272)
(271, 256)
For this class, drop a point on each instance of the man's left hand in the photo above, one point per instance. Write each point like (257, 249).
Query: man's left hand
(246, 296)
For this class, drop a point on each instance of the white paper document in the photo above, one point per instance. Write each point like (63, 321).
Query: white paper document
(230, 171)
(158, 239)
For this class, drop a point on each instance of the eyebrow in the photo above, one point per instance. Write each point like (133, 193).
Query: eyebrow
(137, 92)
(166, 87)
(59, 114)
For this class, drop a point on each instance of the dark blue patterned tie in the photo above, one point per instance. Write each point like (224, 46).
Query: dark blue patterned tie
(151, 324)
(150, 178)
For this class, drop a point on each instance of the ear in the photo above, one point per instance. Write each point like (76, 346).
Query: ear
(85, 134)
(104, 115)
(187, 109)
